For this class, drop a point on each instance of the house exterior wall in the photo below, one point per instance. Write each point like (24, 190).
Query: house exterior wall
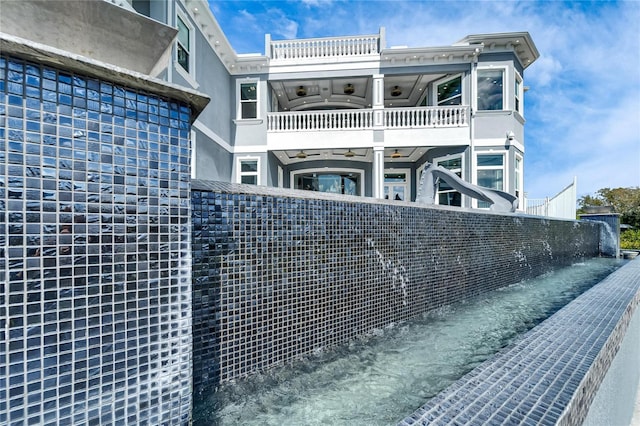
(219, 71)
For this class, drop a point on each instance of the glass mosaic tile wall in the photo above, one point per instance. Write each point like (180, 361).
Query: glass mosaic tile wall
(278, 274)
(95, 293)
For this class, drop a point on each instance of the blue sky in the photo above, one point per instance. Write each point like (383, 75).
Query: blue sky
(583, 105)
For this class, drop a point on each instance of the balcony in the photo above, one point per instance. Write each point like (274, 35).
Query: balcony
(330, 47)
(362, 119)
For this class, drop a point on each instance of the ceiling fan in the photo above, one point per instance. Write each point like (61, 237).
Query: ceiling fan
(351, 154)
(396, 154)
(301, 155)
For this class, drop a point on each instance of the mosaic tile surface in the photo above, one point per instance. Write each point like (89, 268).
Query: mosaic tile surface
(278, 274)
(94, 252)
(552, 373)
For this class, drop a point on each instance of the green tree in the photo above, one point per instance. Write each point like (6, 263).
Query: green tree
(625, 201)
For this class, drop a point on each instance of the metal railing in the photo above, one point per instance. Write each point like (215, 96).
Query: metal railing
(325, 47)
(362, 119)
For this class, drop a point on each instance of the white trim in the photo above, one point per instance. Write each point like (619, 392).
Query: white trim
(505, 91)
(280, 177)
(244, 149)
(505, 174)
(520, 95)
(434, 95)
(253, 120)
(406, 184)
(188, 75)
(212, 135)
(239, 172)
(249, 149)
(498, 142)
(419, 175)
(519, 179)
(435, 162)
(360, 172)
(189, 78)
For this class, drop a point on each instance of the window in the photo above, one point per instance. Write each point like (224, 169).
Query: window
(490, 90)
(248, 100)
(449, 92)
(518, 94)
(446, 195)
(396, 185)
(249, 171)
(490, 173)
(184, 45)
(338, 182)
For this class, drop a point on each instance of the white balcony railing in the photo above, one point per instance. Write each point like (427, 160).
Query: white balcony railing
(362, 119)
(451, 116)
(325, 47)
(352, 119)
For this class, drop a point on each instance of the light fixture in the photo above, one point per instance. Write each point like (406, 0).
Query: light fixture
(301, 155)
(349, 153)
(301, 91)
(396, 154)
(349, 89)
(396, 91)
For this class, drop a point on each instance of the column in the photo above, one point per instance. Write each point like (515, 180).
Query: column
(378, 171)
(378, 101)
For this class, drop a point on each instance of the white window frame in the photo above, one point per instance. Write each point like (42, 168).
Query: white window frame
(239, 84)
(280, 177)
(187, 75)
(438, 160)
(518, 94)
(240, 173)
(406, 184)
(360, 172)
(505, 175)
(519, 179)
(505, 79)
(444, 80)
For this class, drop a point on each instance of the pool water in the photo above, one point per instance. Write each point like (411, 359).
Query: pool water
(381, 378)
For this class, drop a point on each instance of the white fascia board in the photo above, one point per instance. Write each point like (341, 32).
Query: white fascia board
(498, 142)
(431, 51)
(324, 66)
(250, 149)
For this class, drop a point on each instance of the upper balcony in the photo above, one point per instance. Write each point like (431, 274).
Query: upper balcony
(324, 47)
(411, 126)
(362, 119)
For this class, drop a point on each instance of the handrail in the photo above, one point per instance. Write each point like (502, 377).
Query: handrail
(442, 116)
(351, 119)
(325, 47)
(362, 119)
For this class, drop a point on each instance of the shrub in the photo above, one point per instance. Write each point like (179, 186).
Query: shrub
(630, 240)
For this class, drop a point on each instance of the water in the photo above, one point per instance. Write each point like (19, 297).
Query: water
(382, 378)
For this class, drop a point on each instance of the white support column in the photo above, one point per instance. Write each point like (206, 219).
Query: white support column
(378, 101)
(378, 172)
